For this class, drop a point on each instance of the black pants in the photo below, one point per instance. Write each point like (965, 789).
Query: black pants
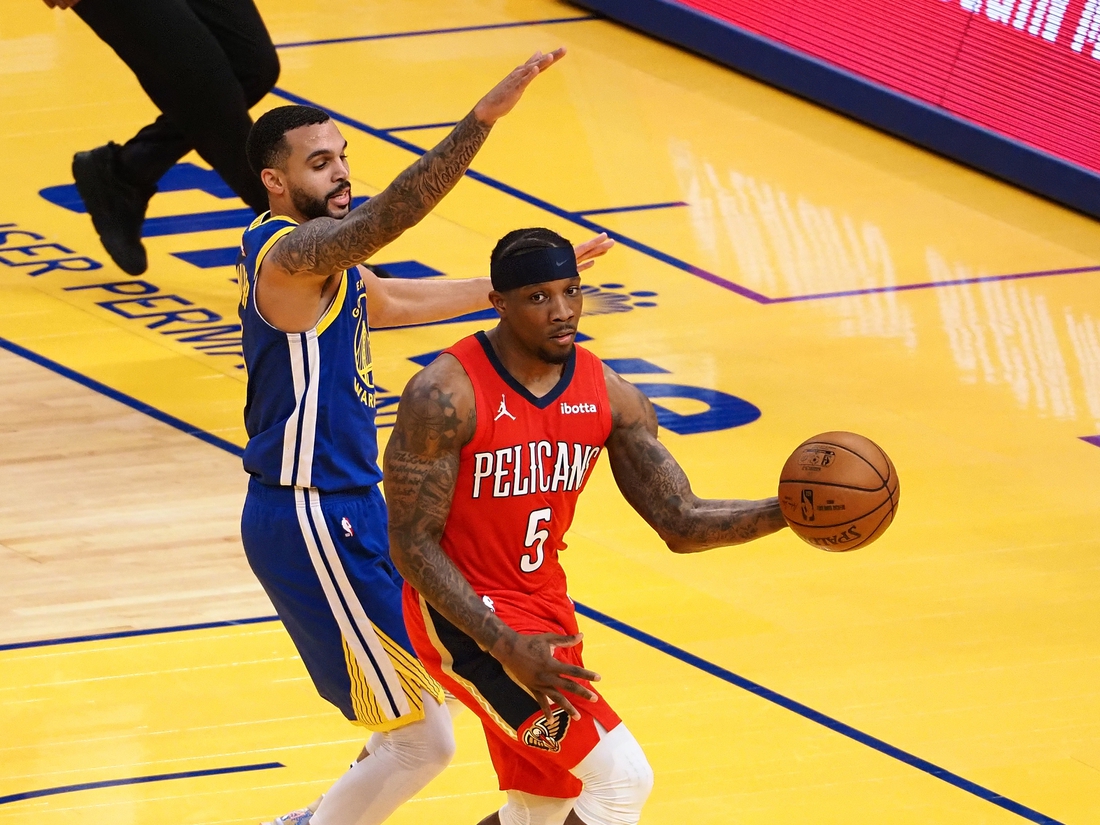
(204, 63)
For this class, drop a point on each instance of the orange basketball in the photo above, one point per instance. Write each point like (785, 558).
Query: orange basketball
(839, 491)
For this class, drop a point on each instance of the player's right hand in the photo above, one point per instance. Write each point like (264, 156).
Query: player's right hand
(591, 249)
(530, 661)
(503, 97)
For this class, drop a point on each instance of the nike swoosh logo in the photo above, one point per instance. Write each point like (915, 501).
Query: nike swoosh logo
(560, 263)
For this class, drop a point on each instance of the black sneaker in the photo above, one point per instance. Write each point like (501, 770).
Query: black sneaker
(117, 207)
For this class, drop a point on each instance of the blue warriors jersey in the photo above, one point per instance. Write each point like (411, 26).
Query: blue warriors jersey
(310, 406)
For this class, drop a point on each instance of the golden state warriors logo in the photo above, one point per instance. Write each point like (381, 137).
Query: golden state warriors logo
(242, 281)
(548, 735)
(364, 383)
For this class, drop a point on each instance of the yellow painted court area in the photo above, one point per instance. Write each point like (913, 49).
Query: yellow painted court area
(827, 275)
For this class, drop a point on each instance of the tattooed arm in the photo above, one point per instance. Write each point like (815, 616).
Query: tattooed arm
(436, 418)
(326, 246)
(656, 486)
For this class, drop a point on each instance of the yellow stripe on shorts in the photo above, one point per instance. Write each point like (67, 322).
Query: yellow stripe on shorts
(414, 680)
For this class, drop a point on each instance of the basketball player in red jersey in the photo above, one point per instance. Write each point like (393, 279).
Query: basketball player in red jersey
(493, 444)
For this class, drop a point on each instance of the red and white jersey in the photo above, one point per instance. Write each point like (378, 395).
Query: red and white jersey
(520, 476)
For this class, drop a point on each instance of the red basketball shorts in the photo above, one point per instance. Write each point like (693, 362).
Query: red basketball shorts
(528, 753)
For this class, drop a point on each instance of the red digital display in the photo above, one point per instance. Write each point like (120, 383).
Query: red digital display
(1027, 69)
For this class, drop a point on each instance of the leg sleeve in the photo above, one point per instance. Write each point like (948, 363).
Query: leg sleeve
(405, 761)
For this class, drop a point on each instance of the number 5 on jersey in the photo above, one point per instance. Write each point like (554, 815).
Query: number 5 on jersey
(535, 538)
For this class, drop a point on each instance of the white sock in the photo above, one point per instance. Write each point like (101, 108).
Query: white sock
(401, 763)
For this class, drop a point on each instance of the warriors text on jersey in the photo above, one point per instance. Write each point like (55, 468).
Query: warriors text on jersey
(520, 475)
(310, 407)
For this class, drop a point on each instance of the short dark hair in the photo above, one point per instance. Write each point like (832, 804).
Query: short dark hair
(519, 241)
(266, 146)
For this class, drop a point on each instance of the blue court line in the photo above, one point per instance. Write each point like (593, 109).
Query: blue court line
(137, 780)
(210, 258)
(641, 208)
(128, 634)
(197, 222)
(815, 716)
(421, 126)
(931, 284)
(424, 32)
(121, 397)
(546, 206)
(633, 633)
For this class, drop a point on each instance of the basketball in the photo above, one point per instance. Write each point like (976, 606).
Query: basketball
(839, 491)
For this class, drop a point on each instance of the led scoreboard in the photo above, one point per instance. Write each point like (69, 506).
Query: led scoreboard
(1009, 86)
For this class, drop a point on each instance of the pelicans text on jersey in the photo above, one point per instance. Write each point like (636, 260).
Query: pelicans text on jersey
(521, 474)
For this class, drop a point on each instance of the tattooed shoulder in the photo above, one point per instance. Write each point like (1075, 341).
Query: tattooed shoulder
(437, 413)
(629, 407)
(303, 252)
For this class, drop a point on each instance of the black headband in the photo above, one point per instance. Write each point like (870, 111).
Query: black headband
(537, 266)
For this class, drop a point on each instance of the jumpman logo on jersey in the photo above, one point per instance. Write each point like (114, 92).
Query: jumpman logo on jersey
(503, 410)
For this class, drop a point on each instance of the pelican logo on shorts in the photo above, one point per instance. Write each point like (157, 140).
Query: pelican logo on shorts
(548, 736)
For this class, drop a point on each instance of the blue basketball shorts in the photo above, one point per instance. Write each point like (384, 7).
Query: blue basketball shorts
(324, 561)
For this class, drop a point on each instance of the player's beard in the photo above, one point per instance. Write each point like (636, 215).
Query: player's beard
(313, 207)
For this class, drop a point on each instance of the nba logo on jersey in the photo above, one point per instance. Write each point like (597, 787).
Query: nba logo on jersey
(347, 526)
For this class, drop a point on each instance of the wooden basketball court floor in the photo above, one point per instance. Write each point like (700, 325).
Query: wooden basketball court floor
(773, 258)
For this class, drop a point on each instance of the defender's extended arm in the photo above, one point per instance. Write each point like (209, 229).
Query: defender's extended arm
(326, 246)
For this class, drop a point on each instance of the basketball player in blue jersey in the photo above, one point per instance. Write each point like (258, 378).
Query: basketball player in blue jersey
(314, 524)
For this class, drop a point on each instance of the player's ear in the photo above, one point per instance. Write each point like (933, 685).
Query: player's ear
(272, 179)
(498, 301)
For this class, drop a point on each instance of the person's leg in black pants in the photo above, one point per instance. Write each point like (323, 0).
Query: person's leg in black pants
(203, 63)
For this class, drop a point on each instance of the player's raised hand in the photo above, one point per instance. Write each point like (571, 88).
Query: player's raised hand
(530, 660)
(503, 97)
(588, 251)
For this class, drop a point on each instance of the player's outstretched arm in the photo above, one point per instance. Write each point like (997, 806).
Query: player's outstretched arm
(326, 246)
(396, 302)
(436, 418)
(656, 486)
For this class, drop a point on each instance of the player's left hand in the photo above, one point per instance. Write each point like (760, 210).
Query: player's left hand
(588, 251)
(529, 659)
(503, 97)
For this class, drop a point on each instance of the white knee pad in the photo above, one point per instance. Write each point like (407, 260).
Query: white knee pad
(617, 780)
(528, 809)
(429, 741)
(454, 707)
